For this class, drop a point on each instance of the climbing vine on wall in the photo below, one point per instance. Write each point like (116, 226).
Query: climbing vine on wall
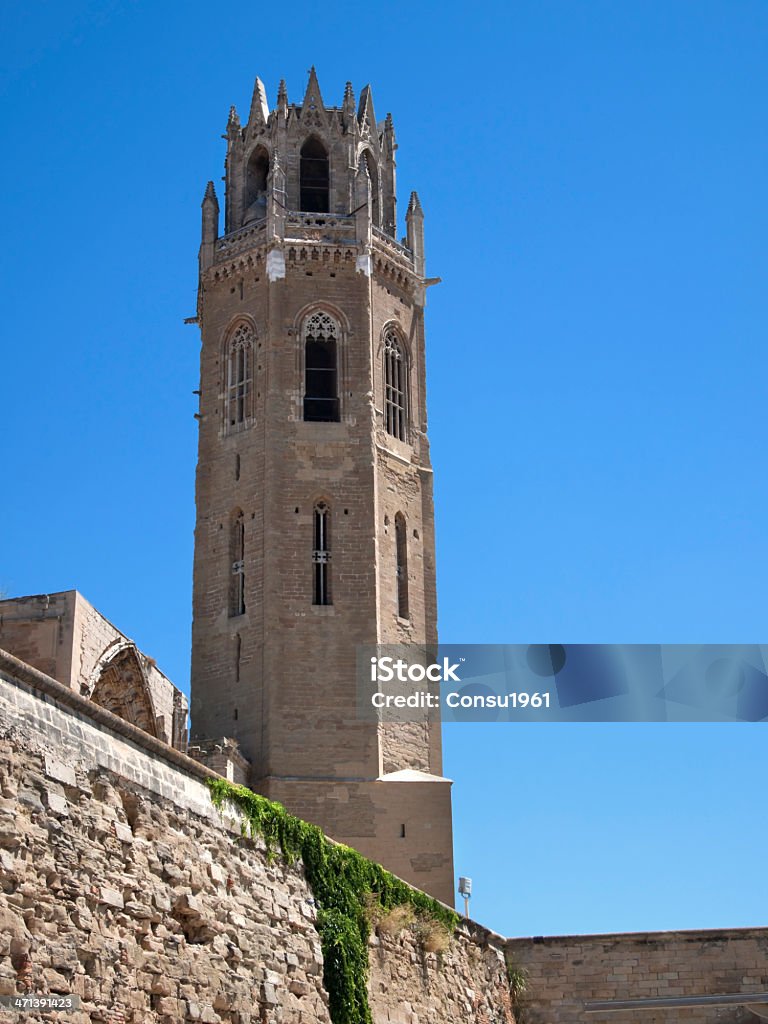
(340, 879)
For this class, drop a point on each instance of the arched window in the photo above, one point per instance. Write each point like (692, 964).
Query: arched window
(395, 387)
(320, 335)
(401, 554)
(321, 554)
(255, 204)
(237, 552)
(314, 177)
(239, 396)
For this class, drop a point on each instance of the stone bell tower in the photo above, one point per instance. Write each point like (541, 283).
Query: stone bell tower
(315, 529)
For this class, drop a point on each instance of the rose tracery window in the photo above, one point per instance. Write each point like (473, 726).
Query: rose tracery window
(320, 335)
(239, 394)
(395, 388)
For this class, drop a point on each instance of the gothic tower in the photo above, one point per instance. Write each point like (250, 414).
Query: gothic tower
(315, 529)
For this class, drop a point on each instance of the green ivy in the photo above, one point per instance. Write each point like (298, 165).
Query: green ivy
(339, 878)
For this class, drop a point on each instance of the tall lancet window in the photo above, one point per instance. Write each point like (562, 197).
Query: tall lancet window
(395, 387)
(237, 552)
(314, 177)
(239, 395)
(320, 335)
(321, 554)
(401, 547)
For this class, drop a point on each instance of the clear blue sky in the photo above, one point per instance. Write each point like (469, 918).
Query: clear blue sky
(594, 180)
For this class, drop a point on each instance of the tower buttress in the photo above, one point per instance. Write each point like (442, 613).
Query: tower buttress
(210, 207)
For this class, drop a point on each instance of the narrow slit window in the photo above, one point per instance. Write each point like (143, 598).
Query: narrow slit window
(321, 555)
(239, 399)
(395, 393)
(237, 585)
(315, 177)
(401, 546)
(321, 395)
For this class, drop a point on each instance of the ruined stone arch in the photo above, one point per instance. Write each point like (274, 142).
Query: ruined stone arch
(119, 684)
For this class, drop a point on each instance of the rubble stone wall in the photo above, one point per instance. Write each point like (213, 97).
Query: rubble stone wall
(120, 883)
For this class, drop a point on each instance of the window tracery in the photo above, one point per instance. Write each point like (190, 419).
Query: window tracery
(395, 387)
(239, 394)
(320, 336)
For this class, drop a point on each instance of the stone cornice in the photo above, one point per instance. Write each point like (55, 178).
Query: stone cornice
(246, 249)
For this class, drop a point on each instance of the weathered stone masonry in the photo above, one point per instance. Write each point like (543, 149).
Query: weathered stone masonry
(122, 884)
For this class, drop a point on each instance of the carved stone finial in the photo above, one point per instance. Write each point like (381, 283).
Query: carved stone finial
(282, 97)
(414, 206)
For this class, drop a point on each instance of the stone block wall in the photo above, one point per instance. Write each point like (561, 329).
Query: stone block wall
(566, 972)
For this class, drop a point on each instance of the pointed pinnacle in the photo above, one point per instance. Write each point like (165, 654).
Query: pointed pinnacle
(312, 96)
(234, 120)
(282, 96)
(349, 96)
(259, 106)
(210, 193)
(414, 206)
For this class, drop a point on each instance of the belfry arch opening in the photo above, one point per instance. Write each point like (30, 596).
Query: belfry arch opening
(367, 161)
(256, 175)
(314, 177)
(121, 687)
